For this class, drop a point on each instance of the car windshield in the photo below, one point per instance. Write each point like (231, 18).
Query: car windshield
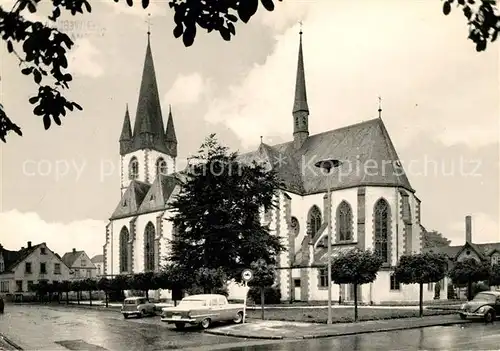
(130, 302)
(485, 297)
(196, 303)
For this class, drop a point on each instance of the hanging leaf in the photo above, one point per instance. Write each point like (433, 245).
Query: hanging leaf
(37, 76)
(268, 4)
(247, 9)
(46, 122)
(130, 3)
(10, 47)
(225, 33)
(189, 34)
(446, 8)
(33, 100)
(178, 31)
(145, 3)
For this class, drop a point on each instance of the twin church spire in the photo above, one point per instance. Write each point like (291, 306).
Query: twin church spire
(149, 131)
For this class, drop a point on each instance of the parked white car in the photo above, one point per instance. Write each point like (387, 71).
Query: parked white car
(202, 310)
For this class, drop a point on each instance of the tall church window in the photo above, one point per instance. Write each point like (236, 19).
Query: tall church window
(344, 222)
(314, 220)
(382, 229)
(124, 238)
(133, 169)
(149, 247)
(161, 166)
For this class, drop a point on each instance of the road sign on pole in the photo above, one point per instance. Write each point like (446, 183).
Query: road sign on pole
(247, 275)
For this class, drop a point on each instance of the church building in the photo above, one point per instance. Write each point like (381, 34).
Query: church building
(372, 204)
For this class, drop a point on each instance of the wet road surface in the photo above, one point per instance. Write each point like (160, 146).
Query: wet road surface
(475, 336)
(65, 328)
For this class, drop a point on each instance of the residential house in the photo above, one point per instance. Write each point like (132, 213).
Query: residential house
(19, 270)
(80, 264)
(98, 261)
(486, 252)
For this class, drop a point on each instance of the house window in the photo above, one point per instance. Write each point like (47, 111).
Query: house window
(89, 273)
(395, 284)
(381, 229)
(494, 259)
(30, 285)
(294, 224)
(4, 286)
(19, 285)
(133, 169)
(124, 238)
(43, 251)
(27, 268)
(161, 167)
(57, 268)
(344, 221)
(323, 278)
(83, 263)
(43, 268)
(149, 246)
(296, 283)
(314, 220)
(77, 273)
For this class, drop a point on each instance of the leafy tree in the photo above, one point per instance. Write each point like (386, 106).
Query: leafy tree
(264, 276)
(216, 214)
(104, 284)
(175, 278)
(119, 283)
(90, 286)
(467, 272)
(482, 17)
(421, 269)
(495, 275)
(66, 288)
(76, 286)
(356, 267)
(434, 239)
(143, 282)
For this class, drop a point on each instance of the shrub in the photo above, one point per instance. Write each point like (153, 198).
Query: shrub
(272, 295)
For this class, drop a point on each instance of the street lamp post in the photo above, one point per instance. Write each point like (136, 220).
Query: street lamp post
(328, 165)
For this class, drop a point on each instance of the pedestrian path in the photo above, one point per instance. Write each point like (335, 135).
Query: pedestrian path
(259, 329)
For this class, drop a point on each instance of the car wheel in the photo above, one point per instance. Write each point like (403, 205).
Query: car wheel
(179, 326)
(463, 316)
(143, 313)
(205, 323)
(125, 316)
(239, 318)
(489, 317)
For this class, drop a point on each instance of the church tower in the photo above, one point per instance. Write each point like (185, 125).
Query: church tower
(300, 108)
(150, 149)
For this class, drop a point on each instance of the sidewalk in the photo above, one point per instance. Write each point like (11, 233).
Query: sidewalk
(8, 345)
(258, 329)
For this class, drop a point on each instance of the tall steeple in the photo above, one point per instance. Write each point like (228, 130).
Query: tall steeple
(149, 130)
(300, 108)
(126, 135)
(170, 137)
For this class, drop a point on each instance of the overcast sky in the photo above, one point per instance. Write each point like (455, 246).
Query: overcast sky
(440, 105)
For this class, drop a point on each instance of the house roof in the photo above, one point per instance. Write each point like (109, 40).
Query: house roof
(485, 249)
(97, 259)
(70, 257)
(365, 149)
(13, 258)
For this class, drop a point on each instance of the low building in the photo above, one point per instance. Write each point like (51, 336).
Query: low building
(98, 261)
(80, 264)
(485, 252)
(20, 270)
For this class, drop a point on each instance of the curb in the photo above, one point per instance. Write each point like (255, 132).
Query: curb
(329, 335)
(10, 342)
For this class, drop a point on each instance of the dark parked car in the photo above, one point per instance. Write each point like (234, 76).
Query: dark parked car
(485, 305)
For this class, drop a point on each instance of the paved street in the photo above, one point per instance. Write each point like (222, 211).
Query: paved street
(65, 328)
(476, 336)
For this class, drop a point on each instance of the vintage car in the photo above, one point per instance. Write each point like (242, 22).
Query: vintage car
(485, 305)
(137, 306)
(202, 310)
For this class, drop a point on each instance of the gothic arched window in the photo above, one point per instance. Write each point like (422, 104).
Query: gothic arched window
(124, 238)
(149, 247)
(381, 213)
(314, 220)
(133, 169)
(294, 223)
(161, 166)
(344, 222)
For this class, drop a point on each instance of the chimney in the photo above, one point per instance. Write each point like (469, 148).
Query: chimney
(74, 250)
(29, 244)
(468, 229)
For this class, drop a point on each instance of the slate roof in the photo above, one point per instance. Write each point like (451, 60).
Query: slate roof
(321, 255)
(97, 259)
(142, 197)
(13, 258)
(485, 249)
(70, 257)
(367, 153)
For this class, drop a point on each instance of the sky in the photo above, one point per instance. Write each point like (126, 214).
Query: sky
(440, 101)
